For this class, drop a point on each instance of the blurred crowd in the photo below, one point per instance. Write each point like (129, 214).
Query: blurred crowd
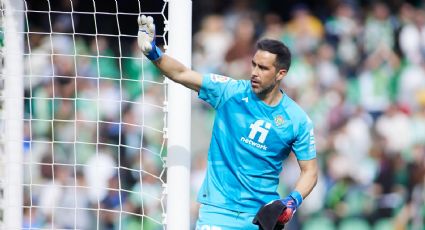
(360, 75)
(94, 139)
(94, 136)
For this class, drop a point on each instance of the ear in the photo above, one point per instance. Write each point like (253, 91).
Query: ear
(281, 74)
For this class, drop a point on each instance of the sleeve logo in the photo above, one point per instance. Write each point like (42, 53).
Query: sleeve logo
(219, 78)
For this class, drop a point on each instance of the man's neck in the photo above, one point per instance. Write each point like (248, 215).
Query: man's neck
(272, 98)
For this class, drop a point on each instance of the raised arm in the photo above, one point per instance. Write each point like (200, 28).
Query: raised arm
(179, 73)
(169, 66)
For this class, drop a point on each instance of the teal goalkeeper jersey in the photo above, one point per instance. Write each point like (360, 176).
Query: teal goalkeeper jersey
(250, 139)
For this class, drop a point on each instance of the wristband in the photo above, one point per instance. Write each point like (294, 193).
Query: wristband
(297, 197)
(155, 53)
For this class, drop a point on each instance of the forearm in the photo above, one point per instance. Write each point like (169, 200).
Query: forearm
(303, 187)
(170, 67)
(306, 182)
(179, 73)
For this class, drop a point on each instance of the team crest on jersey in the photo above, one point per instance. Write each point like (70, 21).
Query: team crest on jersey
(219, 78)
(278, 120)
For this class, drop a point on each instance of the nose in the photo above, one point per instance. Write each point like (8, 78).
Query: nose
(254, 71)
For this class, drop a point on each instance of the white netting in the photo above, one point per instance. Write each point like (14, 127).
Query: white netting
(94, 117)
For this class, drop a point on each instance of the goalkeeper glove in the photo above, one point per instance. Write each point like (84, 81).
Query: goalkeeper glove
(268, 216)
(146, 38)
(274, 215)
(292, 202)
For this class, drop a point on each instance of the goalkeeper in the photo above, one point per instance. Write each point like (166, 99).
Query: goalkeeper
(255, 129)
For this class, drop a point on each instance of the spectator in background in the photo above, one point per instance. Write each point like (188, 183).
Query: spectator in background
(412, 38)
(211, 43)
(273, 26)
(375, 80)
(390, 125)
(406, 14)
(379, 29)
(236, 11)
(103, 60)
(326, 69)
(343, 32)
(389, 185)
(305, 31)
(101, 167)
(64, 23)
(60, 201)
(411, 85)
(238, 56)
(112, 202)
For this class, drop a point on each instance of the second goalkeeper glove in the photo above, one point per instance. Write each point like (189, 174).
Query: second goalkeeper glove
(267, 218)
(146, 38)
(292, 202)
(274, 215)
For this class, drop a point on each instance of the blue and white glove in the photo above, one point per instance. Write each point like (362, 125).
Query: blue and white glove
(146, 38)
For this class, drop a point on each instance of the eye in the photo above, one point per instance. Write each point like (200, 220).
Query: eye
(263, 67)
(253, 64)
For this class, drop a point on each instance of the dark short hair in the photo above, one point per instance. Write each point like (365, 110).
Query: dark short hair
(283, 55)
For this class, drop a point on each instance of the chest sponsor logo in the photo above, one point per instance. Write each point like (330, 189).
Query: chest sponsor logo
(258, 134)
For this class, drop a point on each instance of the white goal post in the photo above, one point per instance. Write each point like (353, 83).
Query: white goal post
(12, 93)
(178, 177)
(21, 150)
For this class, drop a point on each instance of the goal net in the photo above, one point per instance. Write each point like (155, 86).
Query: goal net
(94, 125)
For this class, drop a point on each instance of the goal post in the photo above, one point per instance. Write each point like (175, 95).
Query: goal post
(179, 117)
(12, 94)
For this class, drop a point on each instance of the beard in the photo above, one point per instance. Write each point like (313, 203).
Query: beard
(264, 91)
